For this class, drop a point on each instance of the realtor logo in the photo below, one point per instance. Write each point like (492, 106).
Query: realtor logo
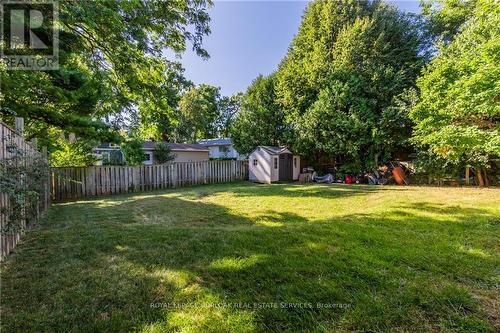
(29, 39)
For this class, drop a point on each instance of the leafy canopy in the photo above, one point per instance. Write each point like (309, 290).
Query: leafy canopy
(198, 113)
(133, 152)
(113, 67)
(340, 83)
(261, 120)
(457, 115)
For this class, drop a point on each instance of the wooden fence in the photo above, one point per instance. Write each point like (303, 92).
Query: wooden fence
(24, 187)
(75, 183)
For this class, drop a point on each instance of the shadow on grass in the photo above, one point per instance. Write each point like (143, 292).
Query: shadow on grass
(171, 263)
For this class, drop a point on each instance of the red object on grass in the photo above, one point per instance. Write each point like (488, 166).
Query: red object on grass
(350, 180)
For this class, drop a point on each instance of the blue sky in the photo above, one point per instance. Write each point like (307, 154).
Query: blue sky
(249, 38)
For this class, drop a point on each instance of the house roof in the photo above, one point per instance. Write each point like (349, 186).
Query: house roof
(149, 145)
(216, 142)
(273, 150)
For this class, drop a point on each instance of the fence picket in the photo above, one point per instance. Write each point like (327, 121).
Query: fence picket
(75, 183)
(14, 150)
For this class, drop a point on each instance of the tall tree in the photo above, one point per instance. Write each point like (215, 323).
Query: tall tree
(111, 60)
(228, 110)
(342, 75)
(198, 113)
(457, 117)
(261, 120)
(445, 17)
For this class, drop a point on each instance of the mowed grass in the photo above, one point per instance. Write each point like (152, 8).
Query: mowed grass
(244, 257)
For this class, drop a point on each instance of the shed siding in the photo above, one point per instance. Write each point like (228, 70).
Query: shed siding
(259, 172)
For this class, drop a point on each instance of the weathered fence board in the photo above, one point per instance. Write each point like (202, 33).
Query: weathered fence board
(76, 182)
(19, 162)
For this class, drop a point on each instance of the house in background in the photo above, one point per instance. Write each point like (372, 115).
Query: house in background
(221, 148)
(270, 164)
(183, 152)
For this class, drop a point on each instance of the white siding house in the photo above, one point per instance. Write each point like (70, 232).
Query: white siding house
(221, 148)
(268, 164)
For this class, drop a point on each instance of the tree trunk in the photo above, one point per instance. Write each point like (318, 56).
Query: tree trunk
(479, 177)
(467, 175)
(376, 159)
(486, 179)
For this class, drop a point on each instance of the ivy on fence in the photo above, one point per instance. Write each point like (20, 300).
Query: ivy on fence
(24, 174)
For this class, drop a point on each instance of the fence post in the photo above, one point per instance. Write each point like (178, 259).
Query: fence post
(135, 178)
(19, 124)
(173, 172)
(204, 168)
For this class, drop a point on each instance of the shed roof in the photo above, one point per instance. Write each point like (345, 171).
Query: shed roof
(273, 150)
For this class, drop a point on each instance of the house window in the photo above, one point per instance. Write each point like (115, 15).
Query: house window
(276, 163)
(223, 149)
(148, 157)
(295, 162)
(255, 162)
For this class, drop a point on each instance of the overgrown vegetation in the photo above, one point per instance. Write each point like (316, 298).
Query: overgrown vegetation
(113, 69)
(358, 83)
(337, 92)
(133, 151)
(246, 257)
(24, 177)
(457, 115)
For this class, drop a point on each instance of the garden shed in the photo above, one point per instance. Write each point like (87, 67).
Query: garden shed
(270, 164)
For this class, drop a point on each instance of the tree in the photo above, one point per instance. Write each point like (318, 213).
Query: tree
(162, 153)
(133, 152)
(198, 112)
(445, 17)
(457, 114)
(228, 109)
(112, 62)
(261, 120)
(72, 154)
(341, 76)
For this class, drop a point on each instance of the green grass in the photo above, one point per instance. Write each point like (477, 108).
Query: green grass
(244, 257)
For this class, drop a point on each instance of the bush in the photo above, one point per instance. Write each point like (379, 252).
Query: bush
(162, 153)
(133, 152)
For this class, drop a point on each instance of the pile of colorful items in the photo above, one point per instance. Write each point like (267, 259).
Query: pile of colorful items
(393, 173)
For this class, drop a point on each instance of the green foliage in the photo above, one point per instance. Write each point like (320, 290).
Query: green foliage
(457, 115)
(261, 120)
(24, 177)
(133, 152)
(445, 17)
(113, 157)
(341, 80)
(113, 67)
(229, 107)
(162, 153)
(198, 113)
(73, 154)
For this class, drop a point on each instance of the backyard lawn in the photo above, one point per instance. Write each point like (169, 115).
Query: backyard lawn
(245, 257)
